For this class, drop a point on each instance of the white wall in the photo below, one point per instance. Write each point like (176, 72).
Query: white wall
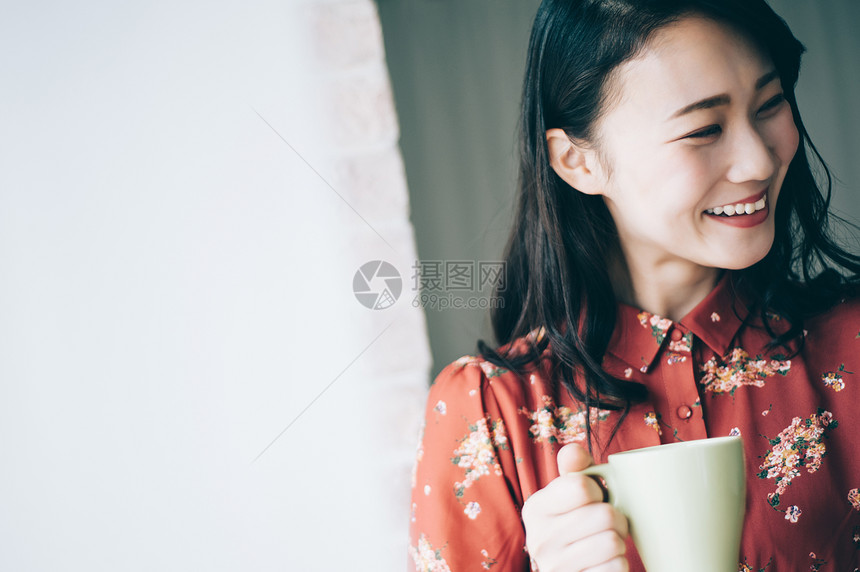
(175, 290)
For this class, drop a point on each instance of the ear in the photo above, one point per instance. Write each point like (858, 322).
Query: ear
(576, 164)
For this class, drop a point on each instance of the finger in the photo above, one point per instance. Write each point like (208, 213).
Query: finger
(573, 457)
(581, 524)
(562, 495)
(617, 564)
(595, 518)
(596, 550)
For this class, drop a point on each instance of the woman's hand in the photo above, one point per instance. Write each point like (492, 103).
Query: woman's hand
(568, 527)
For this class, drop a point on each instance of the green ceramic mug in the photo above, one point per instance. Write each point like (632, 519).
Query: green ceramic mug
(684, 502)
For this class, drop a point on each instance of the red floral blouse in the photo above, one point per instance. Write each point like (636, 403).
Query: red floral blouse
(491, 436)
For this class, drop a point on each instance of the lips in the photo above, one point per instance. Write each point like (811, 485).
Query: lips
(746, 213)
(746, 206)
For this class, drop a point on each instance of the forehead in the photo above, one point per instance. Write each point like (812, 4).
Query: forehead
(686, 61)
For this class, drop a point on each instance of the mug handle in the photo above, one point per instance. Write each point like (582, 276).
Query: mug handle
(606, 473)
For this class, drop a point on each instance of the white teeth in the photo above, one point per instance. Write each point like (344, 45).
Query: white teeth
(739, 208)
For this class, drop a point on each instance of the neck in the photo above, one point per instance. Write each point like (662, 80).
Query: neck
(670, 289)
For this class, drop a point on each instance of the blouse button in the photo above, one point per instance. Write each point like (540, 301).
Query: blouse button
(685, 412)
(677, 335)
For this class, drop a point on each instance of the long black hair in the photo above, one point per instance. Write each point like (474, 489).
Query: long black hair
(557, 271)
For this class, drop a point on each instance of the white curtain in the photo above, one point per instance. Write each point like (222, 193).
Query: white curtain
(187, 380)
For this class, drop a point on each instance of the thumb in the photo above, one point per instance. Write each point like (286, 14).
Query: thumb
(573, 457)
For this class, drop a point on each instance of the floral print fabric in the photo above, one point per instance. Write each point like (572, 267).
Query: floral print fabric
(560, 425)
(476, 453)
(491, 436)
(726, 375)
(798, 446)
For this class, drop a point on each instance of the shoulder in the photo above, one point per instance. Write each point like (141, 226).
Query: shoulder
(832, 338)
(474, 394)
(529, 405)
(495, 388)
(468, 385)
(841, 321)
(469, 370)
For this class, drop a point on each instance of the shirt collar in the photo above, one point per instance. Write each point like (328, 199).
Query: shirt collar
(639, 335)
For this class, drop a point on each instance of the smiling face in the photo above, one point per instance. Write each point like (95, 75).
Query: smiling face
(698, 133)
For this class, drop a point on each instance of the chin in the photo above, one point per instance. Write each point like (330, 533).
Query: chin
(743, 254)
(745, 257)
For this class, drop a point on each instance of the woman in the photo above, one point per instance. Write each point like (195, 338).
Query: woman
(670, 277)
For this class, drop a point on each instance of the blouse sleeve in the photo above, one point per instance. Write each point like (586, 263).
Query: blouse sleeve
(465, 515)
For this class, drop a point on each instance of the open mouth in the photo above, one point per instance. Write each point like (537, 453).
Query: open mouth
(739, 209)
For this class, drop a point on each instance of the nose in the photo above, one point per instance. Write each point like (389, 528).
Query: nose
(751, 157)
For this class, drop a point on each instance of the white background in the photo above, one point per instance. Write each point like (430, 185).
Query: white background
(175, 290)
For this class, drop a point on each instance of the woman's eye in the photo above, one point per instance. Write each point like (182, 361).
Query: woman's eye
(773, 103)
(708, 132)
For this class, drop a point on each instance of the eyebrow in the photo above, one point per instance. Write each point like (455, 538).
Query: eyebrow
(723, 99)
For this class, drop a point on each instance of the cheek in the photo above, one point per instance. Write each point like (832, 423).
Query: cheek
(688, 179)
(784, 138)
(662, 188)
